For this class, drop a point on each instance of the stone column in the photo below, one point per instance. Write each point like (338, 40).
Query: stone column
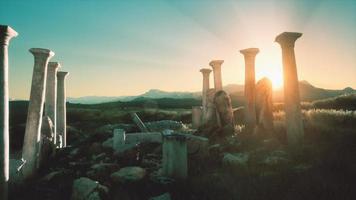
(35, 111)
(216, 65)
(206, 87)
(51, 96)
(196, 116)
(61, 107)
(250, 111)
(6, 33)
(294, 125)
(139, 122)
(174, 155)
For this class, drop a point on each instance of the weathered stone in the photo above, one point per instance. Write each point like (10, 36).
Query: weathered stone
(211, 116)
(6, 33)
(216, 65)
(150, 137)
(61, 127)
(294, 124)
(35, 110)
(206, 87)
(83, 188)
(236, 160)
(102, 171)
(197, 114)
(264, 105)
(174, 150)
(162, 125)
(128, 175)
(224, 109)
(250, 115)
(139, 123)
(51, 96)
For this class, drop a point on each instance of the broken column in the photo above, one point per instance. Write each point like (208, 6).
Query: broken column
(139, 122)
(264, 105)
(206, 87)
(197, 114)
(210, 115)
(32, 137)
(174, 155)
(250, 112)
(51, 96)
(294, 125)
(216, 65)
(224, 109)
(61, 107)
(6, 33)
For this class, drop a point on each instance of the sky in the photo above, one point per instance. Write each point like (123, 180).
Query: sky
(118, 48)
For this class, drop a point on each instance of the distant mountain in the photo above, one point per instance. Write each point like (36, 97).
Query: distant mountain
(158, 94)
(307, 92)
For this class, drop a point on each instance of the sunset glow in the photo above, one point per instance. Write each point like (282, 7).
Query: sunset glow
(169, 39)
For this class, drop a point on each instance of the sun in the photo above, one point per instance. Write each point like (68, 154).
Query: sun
(273, 73)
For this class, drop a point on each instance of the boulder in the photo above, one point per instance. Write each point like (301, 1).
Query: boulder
(165, 124)
(82, 188)
(236, 160)
(102, 171)
(128, 175)
(223, 106)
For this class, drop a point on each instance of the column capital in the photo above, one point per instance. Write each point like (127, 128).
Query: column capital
(42, 53)
(250, 52)
(205, 71)
(287, 39)
(54, 65)
(6, 33)
(216, 63)
(62, 74)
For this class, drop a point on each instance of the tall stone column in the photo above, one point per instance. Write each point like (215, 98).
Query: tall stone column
(206, 87)
(51, 96)
(216, 65)
(61, 107)
(32, 137)
(250, 111)
(6, 33)
(294, 125)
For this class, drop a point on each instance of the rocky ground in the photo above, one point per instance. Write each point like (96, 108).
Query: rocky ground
(238, 166)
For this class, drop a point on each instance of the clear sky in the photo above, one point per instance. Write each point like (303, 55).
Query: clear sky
(124, 47)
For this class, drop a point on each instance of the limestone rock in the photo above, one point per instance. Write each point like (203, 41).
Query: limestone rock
(128, 175)
(109, 128)
(101, 171)
(165, 124)
(223, 106)
(87, 189)
(236, 160)
(210, 115)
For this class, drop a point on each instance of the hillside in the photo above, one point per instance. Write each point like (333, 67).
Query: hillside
(308, 92)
